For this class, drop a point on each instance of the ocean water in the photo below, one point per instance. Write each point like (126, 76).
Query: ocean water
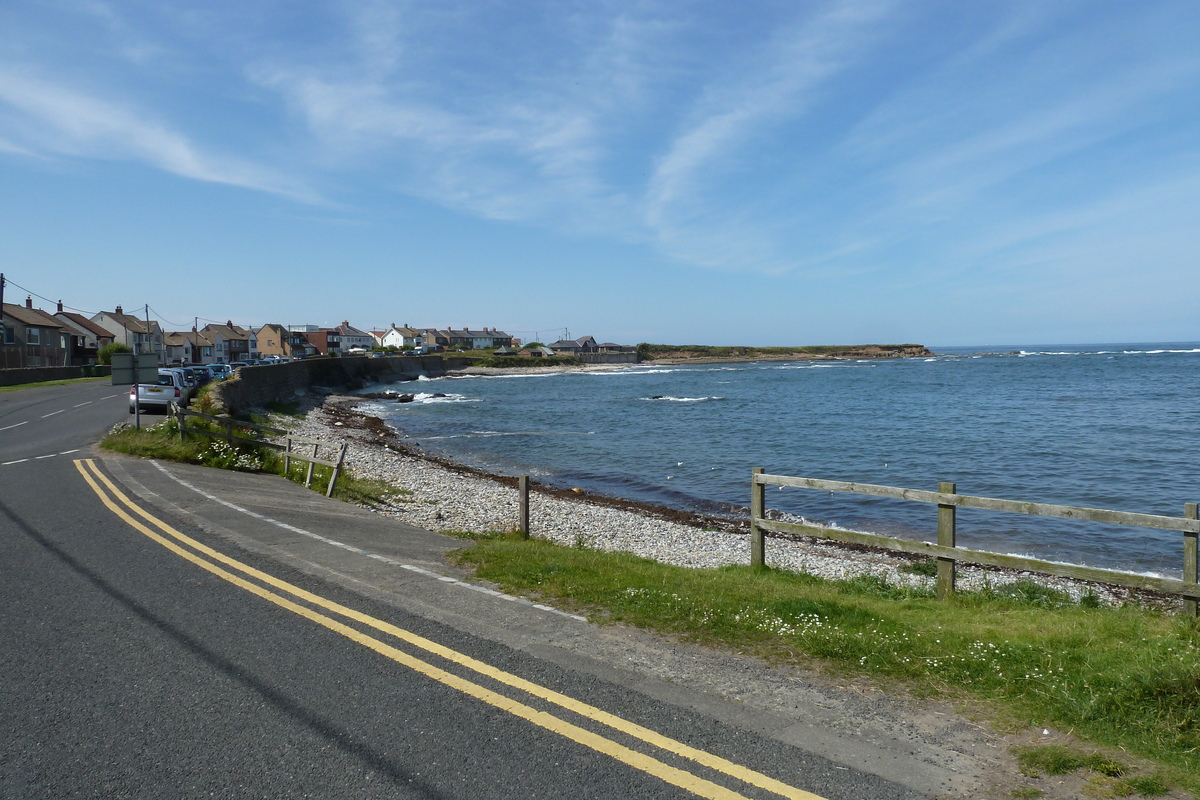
(1105, 426)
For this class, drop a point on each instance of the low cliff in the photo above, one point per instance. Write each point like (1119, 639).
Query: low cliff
(667, 353)
(256, 386)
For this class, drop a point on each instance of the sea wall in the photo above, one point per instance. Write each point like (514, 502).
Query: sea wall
(258, 385)
(607, 358)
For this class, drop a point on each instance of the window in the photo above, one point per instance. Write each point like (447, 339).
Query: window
(10, 335)
(34, 361)
(33, 336)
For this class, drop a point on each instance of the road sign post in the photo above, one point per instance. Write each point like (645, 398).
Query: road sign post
(132, 369)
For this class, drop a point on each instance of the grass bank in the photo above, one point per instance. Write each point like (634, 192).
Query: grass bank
(1125, 678)
(162, 441)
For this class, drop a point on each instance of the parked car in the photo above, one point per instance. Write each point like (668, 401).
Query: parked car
(195, 377)
(158, 396)
(187, 382)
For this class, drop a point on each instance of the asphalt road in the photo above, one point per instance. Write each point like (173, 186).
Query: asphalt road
(143, 654)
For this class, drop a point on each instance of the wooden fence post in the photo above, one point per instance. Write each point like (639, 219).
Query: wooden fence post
(287, 458)
(308, 478)
(946, 538)
(1190, 539)
(758, 502)
(523, 506)
(336, 470)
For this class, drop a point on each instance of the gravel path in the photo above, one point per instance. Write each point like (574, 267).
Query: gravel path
(439, 498)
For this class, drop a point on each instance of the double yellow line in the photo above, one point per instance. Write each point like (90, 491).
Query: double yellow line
(208, 559)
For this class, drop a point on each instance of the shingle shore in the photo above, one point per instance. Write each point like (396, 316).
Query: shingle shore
(438, 498)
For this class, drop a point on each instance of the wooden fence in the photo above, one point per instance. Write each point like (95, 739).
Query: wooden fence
(948, 553)
(289, 448)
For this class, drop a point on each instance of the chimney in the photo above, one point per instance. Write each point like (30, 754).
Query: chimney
(118, 311)
(29, 302)
(60, 307)
(229, 323)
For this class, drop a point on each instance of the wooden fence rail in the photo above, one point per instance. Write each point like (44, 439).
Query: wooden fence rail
(948, 553)
(289, 447)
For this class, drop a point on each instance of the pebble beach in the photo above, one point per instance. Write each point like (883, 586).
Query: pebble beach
(440, 496)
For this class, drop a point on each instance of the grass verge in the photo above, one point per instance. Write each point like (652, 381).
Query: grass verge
(22, 386)
(1125, 678)
(162, 441)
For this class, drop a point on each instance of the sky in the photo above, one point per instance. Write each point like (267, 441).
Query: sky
(754, 173)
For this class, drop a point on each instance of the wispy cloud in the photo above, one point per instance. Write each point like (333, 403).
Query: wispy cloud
(740, 109)
(539, 143)
(49, 118)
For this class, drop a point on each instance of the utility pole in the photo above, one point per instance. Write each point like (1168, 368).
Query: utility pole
(3, 332)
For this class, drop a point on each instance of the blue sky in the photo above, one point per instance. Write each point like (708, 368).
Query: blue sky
(949, 173)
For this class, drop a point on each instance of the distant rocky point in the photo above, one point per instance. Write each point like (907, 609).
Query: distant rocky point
(674, 354)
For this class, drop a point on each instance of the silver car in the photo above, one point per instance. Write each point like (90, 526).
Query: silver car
(158, 396)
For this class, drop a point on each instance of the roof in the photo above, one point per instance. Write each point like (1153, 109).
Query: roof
(346, 329)
(129, 322)
(575, 344)
(227, 331)
(82, 322)
(30, 316)
(177, 338)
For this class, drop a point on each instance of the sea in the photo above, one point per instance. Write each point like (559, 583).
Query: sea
(1113, 426)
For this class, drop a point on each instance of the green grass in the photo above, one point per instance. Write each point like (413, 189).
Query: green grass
(1060, 760)
(66, 382)
(161, 441)
(1122, 677)
(519, 362)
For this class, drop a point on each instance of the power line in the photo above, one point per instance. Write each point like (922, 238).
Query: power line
(168, 321)
(32, 293)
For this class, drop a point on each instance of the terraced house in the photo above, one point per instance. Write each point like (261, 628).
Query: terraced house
(346, 337)
(276, 340)
(231, 342)
(85, 337)
(189, 347)
(139, 335)
(32, 338)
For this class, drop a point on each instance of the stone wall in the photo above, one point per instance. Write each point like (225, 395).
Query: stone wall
(256, 386)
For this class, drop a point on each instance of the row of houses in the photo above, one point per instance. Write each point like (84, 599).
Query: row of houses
(36, 338)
